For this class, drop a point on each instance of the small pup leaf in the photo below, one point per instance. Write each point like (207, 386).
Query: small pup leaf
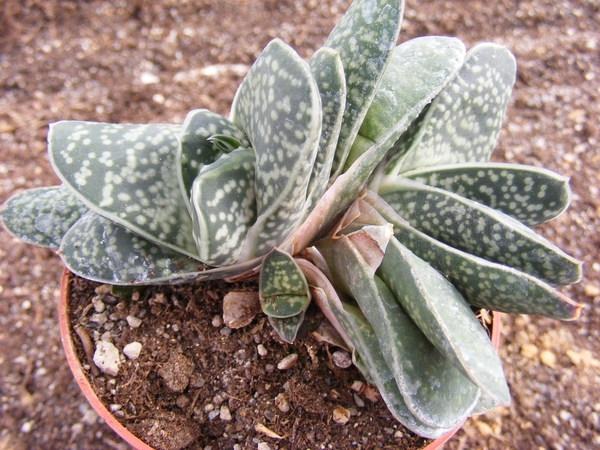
(287, 328)
(478, 229)
(42, 216)
(283, 288)
(364, 37)
(464, 121)
(204, 137)
(224, 207)
(529, 194)
(128, 174)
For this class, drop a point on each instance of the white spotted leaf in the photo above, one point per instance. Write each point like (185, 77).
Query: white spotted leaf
(287, 328)
(435, 391)
(445, 318)
(529, 194)
(197, 147)
(326, 67)
(464, 121)
(364, 37)
(97, 249)
(279, 108)
(283, 289)
(42, 216)
(417, 72)
(224, 207)
(482, 283)
(478, 229)
(126, 173)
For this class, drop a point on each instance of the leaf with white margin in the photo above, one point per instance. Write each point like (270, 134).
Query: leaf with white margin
(283, 289)
(224, 207)
(364, 37)
(196, 148)
(478, 229)
(464, 120)
(97, 249)
(126, 173)
(529, 194)
(417, 72)
(482, 283)
(444, 317)
(279, 108)
(287, 328)
(435, 391)
(368, 358)
(42, 216)
(326, 67)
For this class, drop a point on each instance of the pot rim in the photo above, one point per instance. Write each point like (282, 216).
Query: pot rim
(89, 394)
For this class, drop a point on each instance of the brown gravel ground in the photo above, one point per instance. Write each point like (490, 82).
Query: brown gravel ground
(143, 61)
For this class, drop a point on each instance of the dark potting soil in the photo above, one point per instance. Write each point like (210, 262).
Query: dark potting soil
(198, 384)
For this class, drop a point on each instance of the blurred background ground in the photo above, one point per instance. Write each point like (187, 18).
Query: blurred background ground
(145, 61)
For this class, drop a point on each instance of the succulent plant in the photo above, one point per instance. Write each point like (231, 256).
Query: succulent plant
(359, 179)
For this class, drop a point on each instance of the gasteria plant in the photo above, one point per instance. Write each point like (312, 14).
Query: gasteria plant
(359, 179)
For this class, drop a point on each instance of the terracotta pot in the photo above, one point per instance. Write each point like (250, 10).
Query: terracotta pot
(82, 379)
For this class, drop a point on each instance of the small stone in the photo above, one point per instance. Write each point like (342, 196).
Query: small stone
(182, 401)
(483, 428)
(240, 308)
(225, 331)
(342, 359)
(176, 372)
(269, 368)
(591, 290)
(224, 413)
(217, 321)
(282, 403)
(341, 415)
(548, 358)
(529, 351)
(262, 351)
(106, 358)
(99, 318)
(133, 321)
(358, 401)
(132, 350)
(114, 407)
(27, 427)
(398, 434)
(288, 362)
(209, 407)
(357, 385)
(213, 414)
(263, 446)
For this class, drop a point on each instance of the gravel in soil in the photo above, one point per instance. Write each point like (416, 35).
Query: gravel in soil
(154, 61)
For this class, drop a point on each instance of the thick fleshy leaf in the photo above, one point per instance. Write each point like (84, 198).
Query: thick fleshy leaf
(464, 121)
(100, 250)
(283, 288)
(482, 283)
(224, 207)
(478, 229)
(435, 391)
(287, 328)
(364, 37)
(42, 216)
(197, 148)
(529, 194)
(326, 67)
(417, 72)
(368, 357)
(444, 317)
(128, 174)
(279, 108)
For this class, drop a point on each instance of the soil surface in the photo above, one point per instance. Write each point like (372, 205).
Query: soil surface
(141, 62)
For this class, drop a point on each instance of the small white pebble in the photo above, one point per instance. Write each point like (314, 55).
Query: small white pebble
(341, 415)
(209, 407)
(263, 446)
(217, 321)
(358, 401)
(224, 413)
(548, 358)
(342, 359)
(133, 321)
(262, 351)
(114, 407)
(106, 357)
(27, 426)
(99, 318)
(132, 350)
(288, 362)
(357, 385)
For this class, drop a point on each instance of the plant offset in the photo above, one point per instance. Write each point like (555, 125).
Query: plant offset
(359, 180)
